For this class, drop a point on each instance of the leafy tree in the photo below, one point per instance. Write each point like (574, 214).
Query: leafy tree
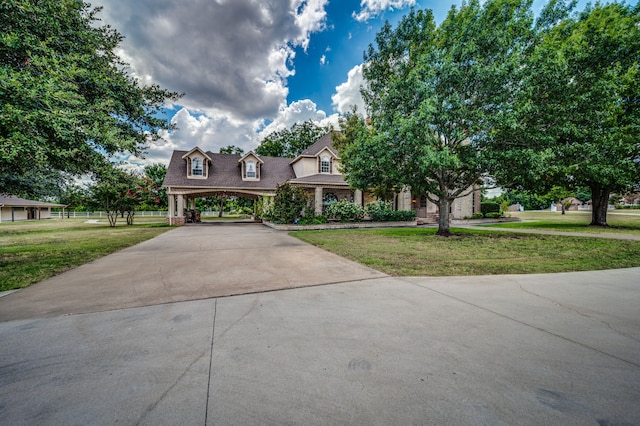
(155, 194)
(578, 118)
(67, 101)
(291, 142)
(231, 149)
(38, 184)
(74, 197)
(289, 203)
(433, 94)
(116, 192)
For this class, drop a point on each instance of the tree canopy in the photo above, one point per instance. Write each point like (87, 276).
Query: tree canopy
(67, 101)
(291, 142)
(433, 94)
(577, 117)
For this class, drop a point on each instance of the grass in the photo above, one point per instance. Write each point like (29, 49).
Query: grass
(32, 251)
(620, 222)
(419, 252)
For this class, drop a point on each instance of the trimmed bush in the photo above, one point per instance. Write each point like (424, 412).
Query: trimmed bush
(345, 210)
(493, 215)
(311, 219)
(489, 208)
(381, 211)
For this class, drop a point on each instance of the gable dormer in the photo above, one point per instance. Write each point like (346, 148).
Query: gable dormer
(250, 166)
(198, 163)
(326, 159)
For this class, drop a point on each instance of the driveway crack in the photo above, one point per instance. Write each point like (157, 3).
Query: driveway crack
(213, 333)
(573, 309)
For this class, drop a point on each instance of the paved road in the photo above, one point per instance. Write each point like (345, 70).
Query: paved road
(367, 349)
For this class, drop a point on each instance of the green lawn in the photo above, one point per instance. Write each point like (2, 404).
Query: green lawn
(620, 222)
(32, 251)
(419, 252)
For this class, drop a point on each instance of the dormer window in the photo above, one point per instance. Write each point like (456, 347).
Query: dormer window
(196, 167)
(198, 164)
(251, 169)
(250, 165)
(325, 164)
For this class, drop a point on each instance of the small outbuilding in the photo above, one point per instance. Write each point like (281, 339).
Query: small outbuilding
(13, 209)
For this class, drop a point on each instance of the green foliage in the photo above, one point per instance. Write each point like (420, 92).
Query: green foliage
(345, 211)
(381, 211)
(291, 142)
(155, 196)
(434, 94)
(525, 199)
(67, 101)
(477, 215)
(493, 215)
(489, 208)
(311, 219)
(577, 113)
(116, 193)
(288, 203)
(231, 149)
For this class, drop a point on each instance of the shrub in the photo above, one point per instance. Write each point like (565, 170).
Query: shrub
(477, 215)
(489, 208)
(493, 215)
(288, 203)
(345, 210)
(311, 219)
(381, 211)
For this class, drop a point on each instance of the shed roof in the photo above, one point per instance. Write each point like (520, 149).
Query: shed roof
(12, 201)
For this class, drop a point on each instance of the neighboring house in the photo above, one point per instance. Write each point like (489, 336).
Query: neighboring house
(573, 203)
(196, 173)
(14, 209)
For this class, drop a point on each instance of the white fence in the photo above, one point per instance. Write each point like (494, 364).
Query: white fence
(58, 215)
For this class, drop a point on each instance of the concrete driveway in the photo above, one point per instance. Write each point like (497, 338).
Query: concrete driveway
(367, 349)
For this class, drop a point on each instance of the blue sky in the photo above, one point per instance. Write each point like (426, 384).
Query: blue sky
(250, 67)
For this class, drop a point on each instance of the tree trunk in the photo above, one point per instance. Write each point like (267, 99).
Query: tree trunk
(443, 217)
(600, 200)
(220, 207)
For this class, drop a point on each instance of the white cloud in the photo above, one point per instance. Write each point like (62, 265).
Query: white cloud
(348, 93)
(297, 112)
(323, 59)
(232, 56)
(372, 8)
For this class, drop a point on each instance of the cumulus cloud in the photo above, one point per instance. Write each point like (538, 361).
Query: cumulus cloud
(348, 93)
(297, 112)
(372, 8)
(232, 56)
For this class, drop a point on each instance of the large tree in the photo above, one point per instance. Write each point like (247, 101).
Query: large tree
(433, 94)
(291, 142)
(578, 118)
(67, 101)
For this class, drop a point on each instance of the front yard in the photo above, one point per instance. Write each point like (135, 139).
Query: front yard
(36, 250)
(419, 252)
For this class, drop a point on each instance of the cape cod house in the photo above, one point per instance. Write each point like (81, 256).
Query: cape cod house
(196, 173)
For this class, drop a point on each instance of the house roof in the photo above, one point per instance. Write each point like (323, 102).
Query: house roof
(321, 144)
(197, 148)
(251, 154)
(11, 201)
(321, 178)
(224, 172)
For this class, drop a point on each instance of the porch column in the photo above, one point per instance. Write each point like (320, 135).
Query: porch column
(357, 197)
(404, 200)
(193, 204)
(180, 212)
(318, 201)
(172, 205)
